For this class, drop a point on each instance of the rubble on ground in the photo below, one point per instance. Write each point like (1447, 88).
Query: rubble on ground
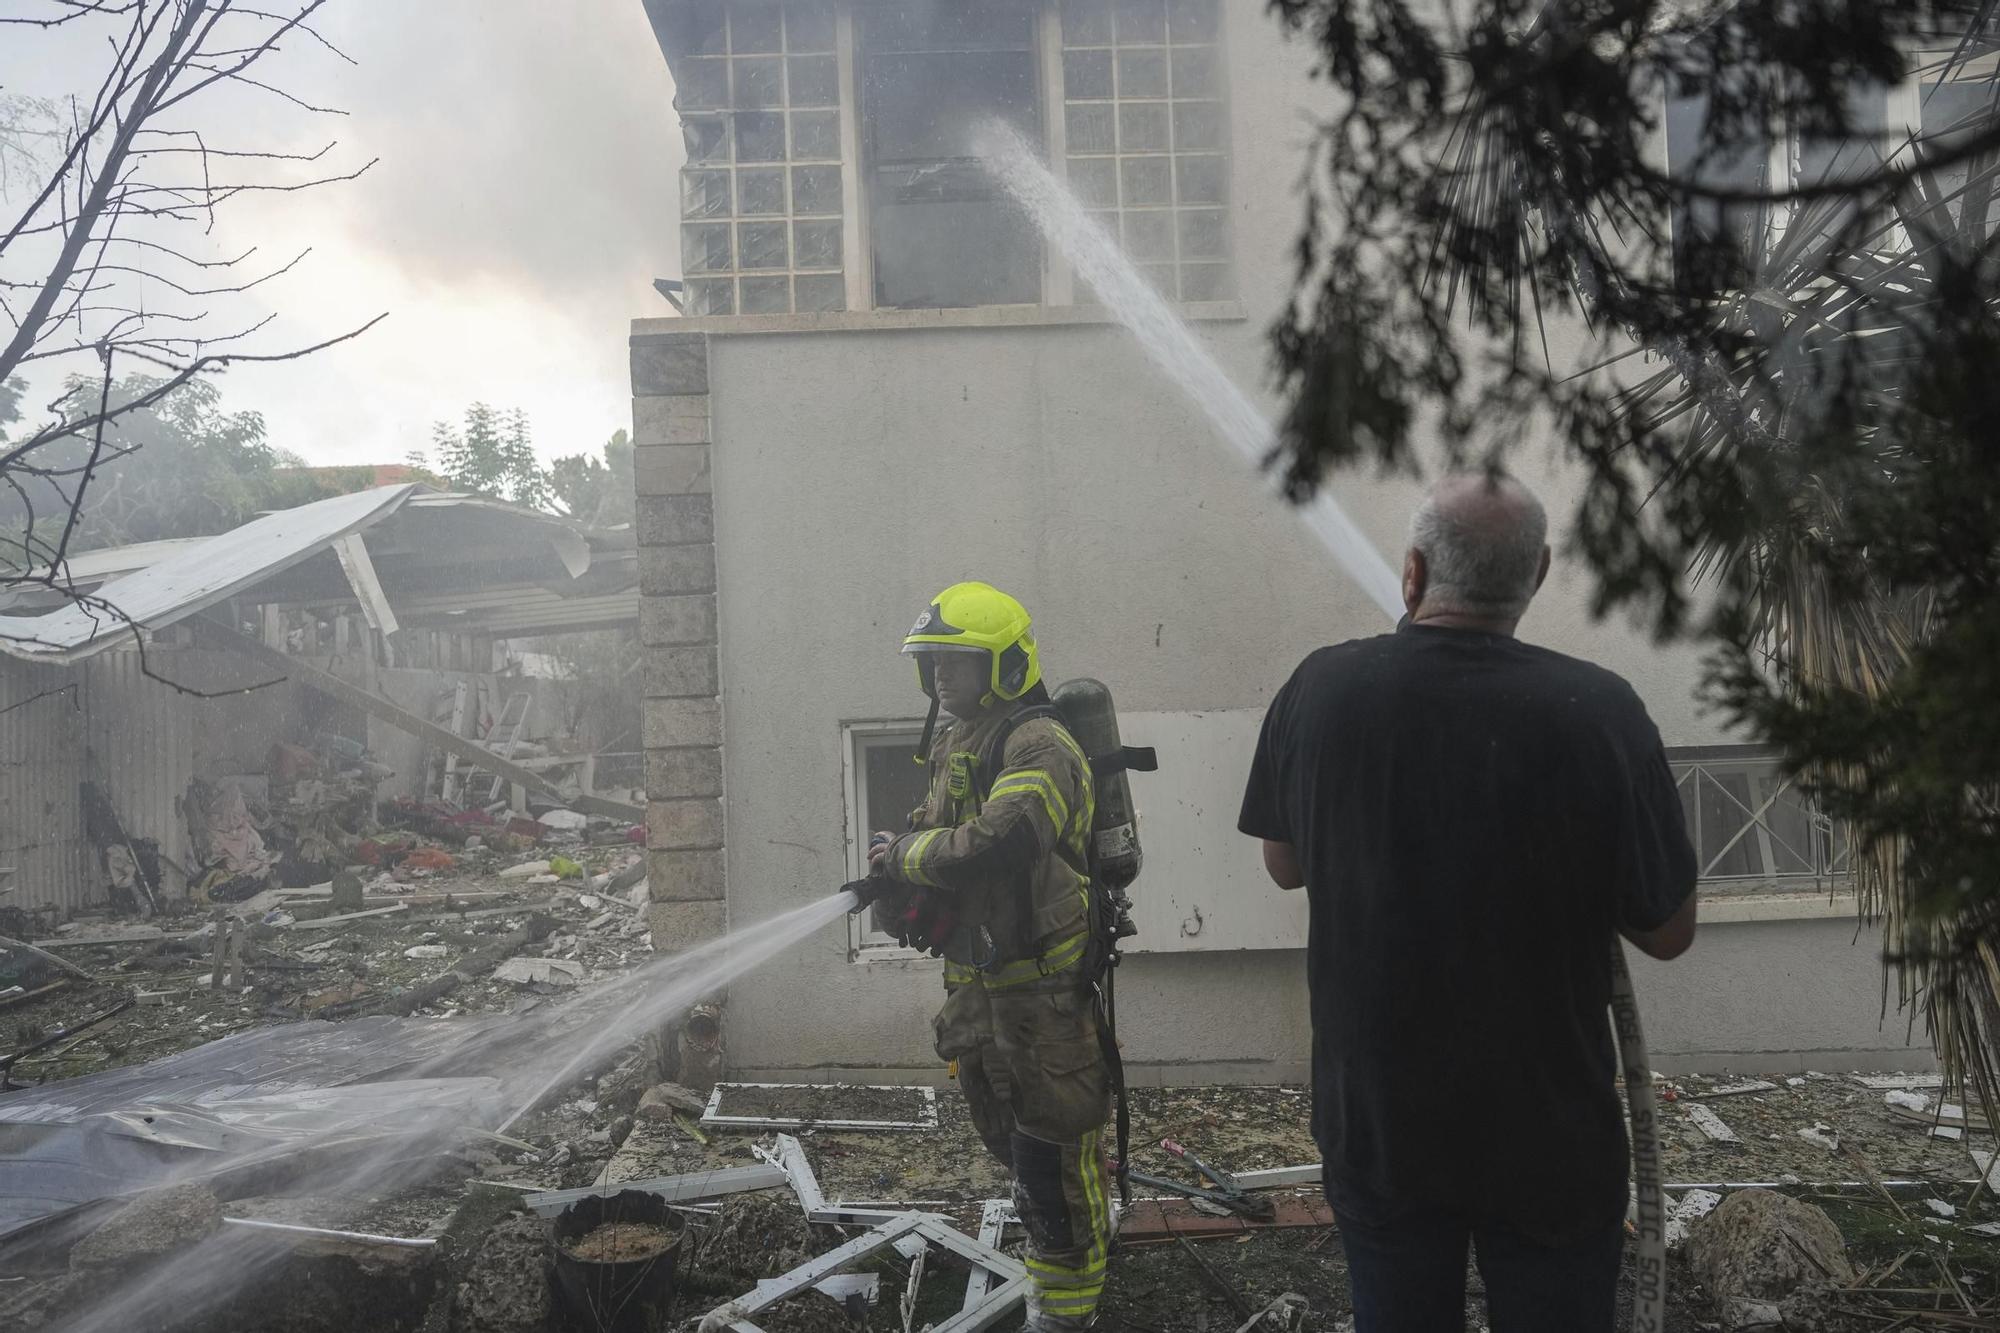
(1759, 1247)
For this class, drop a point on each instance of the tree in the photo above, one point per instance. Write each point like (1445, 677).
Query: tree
(104, 268)
(1813, 455)
(599, 492)
(493, 455)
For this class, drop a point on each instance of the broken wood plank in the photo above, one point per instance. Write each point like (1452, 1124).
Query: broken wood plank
(1886, 1082)
(132, 935)
(375, 705)
(1710, 1124)
(47, 957)
(321, 922)
(1948, 1115)
(1281, 1177)
(352, 553)
(1155, 1221)
(1736, 1089)
(30, 996)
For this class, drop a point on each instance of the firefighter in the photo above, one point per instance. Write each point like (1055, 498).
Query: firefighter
(994, 875)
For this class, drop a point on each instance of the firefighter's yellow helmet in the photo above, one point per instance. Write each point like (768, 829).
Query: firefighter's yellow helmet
(977, 618)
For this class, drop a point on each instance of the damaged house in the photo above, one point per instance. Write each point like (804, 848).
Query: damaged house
(883, 382)
(208, 716)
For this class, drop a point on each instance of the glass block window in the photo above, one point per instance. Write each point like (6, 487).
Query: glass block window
(1143, 117)
(758, 90)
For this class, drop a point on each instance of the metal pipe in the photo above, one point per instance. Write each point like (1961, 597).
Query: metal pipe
(363, 1237)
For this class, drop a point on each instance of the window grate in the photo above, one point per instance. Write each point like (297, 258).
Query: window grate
(759, 99)
(1752, 826)
(1144, 121)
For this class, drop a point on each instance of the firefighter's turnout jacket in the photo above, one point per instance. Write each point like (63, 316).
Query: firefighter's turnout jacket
(1019, 1020)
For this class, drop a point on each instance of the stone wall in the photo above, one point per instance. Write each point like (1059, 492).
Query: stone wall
(677, 625)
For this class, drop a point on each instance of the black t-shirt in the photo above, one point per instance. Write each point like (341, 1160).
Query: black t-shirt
(1474, 816)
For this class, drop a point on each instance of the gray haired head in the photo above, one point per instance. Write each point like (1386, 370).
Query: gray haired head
(1481, 535)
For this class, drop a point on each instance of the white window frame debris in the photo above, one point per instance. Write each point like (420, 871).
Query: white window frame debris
(1899, 1082)
(1710, 1124)
(670, 1189)
(1685, 1211)
(738, 1315)
(998, 1283)
(1735, 1089)
(927, 1118)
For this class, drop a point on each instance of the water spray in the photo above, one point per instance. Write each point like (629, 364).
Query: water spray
(1166, 338)
(508, 1066)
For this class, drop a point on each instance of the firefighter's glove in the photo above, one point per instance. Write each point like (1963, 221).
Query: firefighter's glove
(865, 892)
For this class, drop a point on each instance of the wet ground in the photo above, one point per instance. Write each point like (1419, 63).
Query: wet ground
(1901, 1195)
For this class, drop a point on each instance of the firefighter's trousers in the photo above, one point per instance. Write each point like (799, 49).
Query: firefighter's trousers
(1036, 1084)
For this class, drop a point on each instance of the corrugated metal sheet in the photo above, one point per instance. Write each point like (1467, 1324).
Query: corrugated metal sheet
(41, 763)
(141, 749)
(196, 577)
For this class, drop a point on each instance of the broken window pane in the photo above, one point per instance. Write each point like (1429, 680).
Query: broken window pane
(705, 248)
(759, 82)
(697, 28)
(767, 296)
(701, 85)
(760, 190)
(815, 81)
(712, 296)
(760, 136)
(815, 134)
(707, 138)
(761, 245)
(815, 190)
(816, 245)
(818, 293)
(704, 194)
(809, 27)
(944, 232)
(754, 27)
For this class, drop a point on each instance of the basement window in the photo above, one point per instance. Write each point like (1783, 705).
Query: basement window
(884, 784)
(1754, 830)
(942, 230)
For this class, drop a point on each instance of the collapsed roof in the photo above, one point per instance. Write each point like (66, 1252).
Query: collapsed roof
(428, 559)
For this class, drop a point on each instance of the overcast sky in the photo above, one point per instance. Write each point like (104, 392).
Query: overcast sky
(523, 204)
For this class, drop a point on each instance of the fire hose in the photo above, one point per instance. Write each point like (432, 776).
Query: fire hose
(1649, 1283)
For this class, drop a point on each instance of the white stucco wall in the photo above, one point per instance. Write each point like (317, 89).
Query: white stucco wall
(856, 472)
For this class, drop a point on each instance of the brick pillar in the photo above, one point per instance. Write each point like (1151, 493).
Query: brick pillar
(683, 704)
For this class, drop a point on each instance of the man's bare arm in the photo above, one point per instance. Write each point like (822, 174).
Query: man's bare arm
(1281, 863)
(1668, 940)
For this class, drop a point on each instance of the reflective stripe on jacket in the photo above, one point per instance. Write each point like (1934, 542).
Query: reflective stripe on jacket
(1016, 863)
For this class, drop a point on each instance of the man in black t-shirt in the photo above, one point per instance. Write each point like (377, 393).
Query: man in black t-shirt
(1474, 820)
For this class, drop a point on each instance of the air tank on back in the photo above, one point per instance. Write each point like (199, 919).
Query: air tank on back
(1091, 716)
